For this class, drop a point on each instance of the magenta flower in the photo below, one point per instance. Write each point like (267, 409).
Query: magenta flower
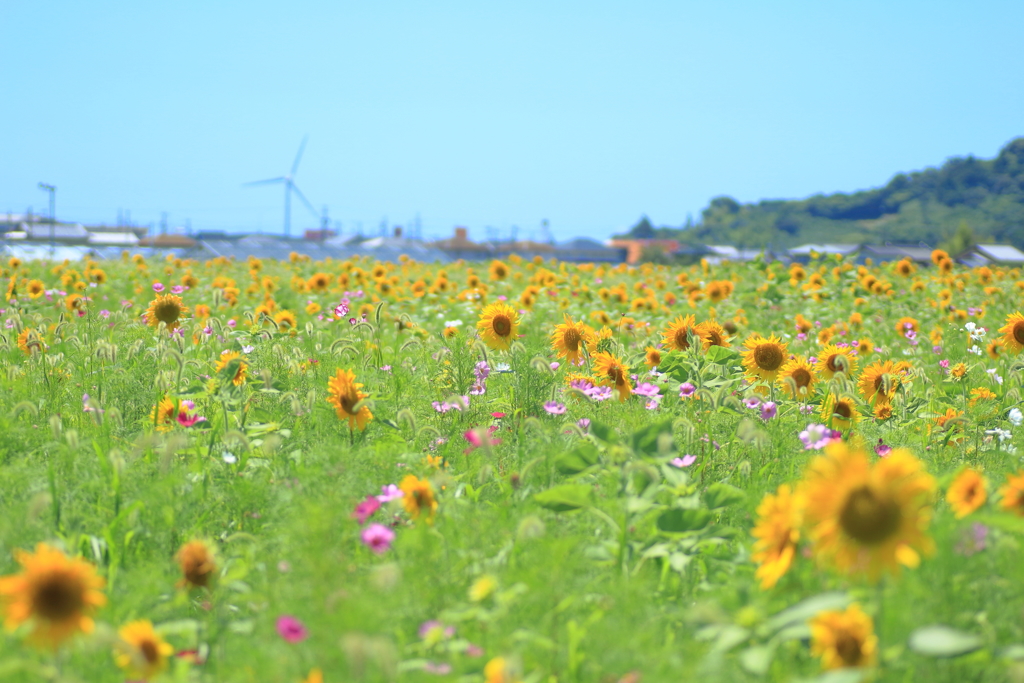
(378, 538)
(881, 450)
(390, 492)
(341, 310)
(769, 410)
(187, 415)
(686, 390)
(291, 629)
(684, 461)
(158, 287)
(554, 408)
(816, 437)
(365, 509)
(647, 389)
(177, 289)
(583, 423)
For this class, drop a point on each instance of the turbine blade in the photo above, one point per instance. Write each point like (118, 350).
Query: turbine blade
(305, 201)
(298, 157)
(264, 182)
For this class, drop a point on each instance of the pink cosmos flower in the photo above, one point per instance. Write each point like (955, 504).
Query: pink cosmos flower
(684, 461)
(686, 390)
(478, 437)
(378, 538)
(554, 408)
(816, 437)
(177, 289)
(365, 509)
(187, 415)
(768, 410)
(158, 287)
(882, 450)
(291, 629)
(390, 492)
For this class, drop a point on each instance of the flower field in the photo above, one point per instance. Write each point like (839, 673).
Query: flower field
(516, 471)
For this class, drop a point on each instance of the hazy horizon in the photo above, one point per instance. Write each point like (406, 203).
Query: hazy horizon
(587, 115)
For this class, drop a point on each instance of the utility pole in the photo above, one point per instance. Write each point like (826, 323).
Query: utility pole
(53, 204)
(163, 222)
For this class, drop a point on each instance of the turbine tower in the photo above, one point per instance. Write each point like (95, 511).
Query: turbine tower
(289, 187)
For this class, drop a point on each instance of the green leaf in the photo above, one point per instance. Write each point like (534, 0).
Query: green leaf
(565, 497)
(722, 355)
(722, 495)
(680, 521)
(757, 659)
(581, 458)
(1007, 522)
(604, 432)
(806, 609)
(943, 641)
(646, 441)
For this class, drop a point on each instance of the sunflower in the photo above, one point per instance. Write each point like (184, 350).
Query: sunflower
(712, 334)
(166, 309)
(1013, 332)
(238, 379)
(286, 321)
(905, 324)
(868, 518)
(839, 412)
(35, 288)
(1011, 494)
(498, 325)
(610, 371)
(777, 533)
(498, 270)
(164, 414)
(981, 394)
(676, 336)
(879, 381)
(57, 593)
(797, 377)
(994, 349)
(844, 640)
(833, 359)
(198, 564)
(141, 651)
(30, 342)
(319, 282)
(652, 357)
(571, 338)
(419, 497)
(344, 394)
(967, 493)
(764, 357)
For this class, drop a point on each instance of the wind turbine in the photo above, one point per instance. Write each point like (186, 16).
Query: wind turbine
(289, 187)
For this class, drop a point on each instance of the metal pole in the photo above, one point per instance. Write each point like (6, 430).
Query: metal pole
(53, 216)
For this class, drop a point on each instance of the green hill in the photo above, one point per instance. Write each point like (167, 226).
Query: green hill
(965, 198)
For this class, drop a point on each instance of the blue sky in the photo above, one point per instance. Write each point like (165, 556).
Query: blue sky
(489, 114)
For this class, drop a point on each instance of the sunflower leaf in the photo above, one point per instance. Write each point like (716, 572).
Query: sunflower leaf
(565, 497)
(943, 641)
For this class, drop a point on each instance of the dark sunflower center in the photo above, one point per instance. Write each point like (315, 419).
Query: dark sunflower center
(572, 339)
(843, 410)
(831, 363)
(150, 652)
(348, 402)
(654, 357)
(615, 374)
(681, 338)
(501, 325)
(801, 377)
(848, 647)
(59, 597)
(167, 312)
(869, 517)
(714, 338)
(768, 357)
(1018, 332)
